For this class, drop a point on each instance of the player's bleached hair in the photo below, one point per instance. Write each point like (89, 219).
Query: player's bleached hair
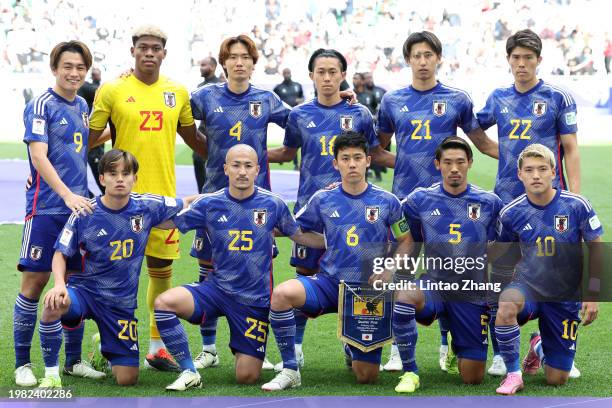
(111, 159)
(422, 36)
(150, 31)
(350, 139)
(327, 53)
(526, 39)
(224, 50)
(454, 142)
(539, 151)
(70, 46)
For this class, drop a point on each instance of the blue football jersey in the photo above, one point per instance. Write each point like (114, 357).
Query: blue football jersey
(313, 128)
(540, 115)
(241, 234)
(356, 228)
(113, 244)
(231, 119)
(453, 226)
(420, 121)
(64, 127)
(549, 238)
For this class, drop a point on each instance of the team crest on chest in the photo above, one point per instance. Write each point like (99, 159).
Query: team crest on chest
(170, 99)
(561, 222)
(439, 108)
(346, 122)
(255, 109)
(539, 108)
(260, 217)
(85, 118)
(474, 211)
(136, 222)
(36, 252)
(371, 214)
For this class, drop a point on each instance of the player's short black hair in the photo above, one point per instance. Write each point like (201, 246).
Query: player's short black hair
(526, 39)
(454, 142)
(351, 139)
(419, 37)
(326, 53)
(111, 159)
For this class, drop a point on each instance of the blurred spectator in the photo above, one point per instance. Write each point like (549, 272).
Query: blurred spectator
(292, 94)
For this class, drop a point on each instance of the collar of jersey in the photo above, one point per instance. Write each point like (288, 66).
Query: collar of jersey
(105, 208)
(529, 92)
(467, 190)
(435, 88)
(543, 207)
(230, 93)
(61, 98)
(336, 106)
(244, 200)
(133, 78)
(354, 197)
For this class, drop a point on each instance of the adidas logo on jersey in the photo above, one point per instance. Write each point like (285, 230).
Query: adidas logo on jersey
(102, 233)
(223, 218)
(262, 349)
(404, 109)
(63, 121)
(311, 125)
(218, 110)
(504, 109)
(335, 214)
(130, 99)
(134, 347)
(436, 212)
(527, 227)
(573, 347)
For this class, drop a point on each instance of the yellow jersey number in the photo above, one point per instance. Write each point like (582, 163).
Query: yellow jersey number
(245, 238)
(78, 141)
(522, 125)
(128, 328)
(122, 249)
(546, 246)
(262, 330)
(236, 130)
(352, 239)
(569, 329)
(327, 145)
(454, 231)
(418, 126)
(484, 322)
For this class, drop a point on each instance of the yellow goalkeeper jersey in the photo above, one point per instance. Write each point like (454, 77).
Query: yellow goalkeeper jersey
(143, 120)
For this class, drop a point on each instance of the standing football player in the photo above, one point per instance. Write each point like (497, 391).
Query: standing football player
(313, 127)
(550, 224)
(529, 111)
(145, 110)
(454, 220)
(240, 220)
(113, 239)
(56, 134)
(351, 215)
(421, 116)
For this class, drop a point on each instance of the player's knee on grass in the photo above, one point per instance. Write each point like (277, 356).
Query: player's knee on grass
(248, 369)
(125, 376)
(472, 371)
(33, 283)
(555, 376)
(365, 373)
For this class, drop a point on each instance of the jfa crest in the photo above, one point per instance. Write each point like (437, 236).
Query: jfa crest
(198, 244)
(300, 251)
(474, 211)
(539, 108)
(170, 99)
(255, 109)
(346, 122)
(36, 252)
(368, 306)
(260, 217)
(439, 108)
(85, 117)
(371, 214)
(561, 222)
(137, 223)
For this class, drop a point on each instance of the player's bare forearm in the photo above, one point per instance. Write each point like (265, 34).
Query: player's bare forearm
(281, 154)
(572, 161)
(309, 239)
(382, 157)
(484, 143)
(195, 139)
(384, 139)
(98, 137)
(58, 267)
